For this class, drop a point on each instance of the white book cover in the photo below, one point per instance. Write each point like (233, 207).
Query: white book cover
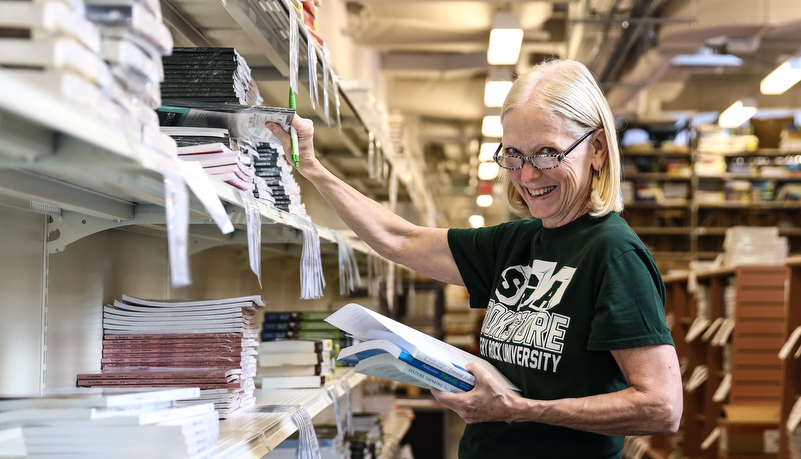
(295, 345)
(97, 398)
(366, 324)
(294, 382)
(386, 366)
(294, 358)
(63, 53)
(48, 19)
(256, 300)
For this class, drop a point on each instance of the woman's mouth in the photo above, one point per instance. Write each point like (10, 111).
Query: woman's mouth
(540, 191)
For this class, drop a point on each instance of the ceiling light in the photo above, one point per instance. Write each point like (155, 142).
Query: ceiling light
(506, 38)
(491, 126)
(737, 114)
(495, 92)
(781, 79)
(476, 221)
(706, 60)
(487, 151)
(484, 200)
(488, 171)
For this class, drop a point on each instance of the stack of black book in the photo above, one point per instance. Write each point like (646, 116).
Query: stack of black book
(268, 169)
(218, 75)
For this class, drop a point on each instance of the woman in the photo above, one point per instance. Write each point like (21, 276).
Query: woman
(574, 300)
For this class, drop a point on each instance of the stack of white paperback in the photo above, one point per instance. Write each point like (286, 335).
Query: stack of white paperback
(111, 424)
(210, 344)
(221, 163)
(54, 45)
(51, 44)
(133, 41)
(295, 363)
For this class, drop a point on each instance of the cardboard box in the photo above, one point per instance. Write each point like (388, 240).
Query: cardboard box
(749, 432)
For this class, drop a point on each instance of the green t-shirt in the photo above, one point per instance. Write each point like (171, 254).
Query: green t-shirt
(558, 300)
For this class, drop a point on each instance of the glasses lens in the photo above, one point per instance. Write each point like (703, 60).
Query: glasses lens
(509, 162)
(545, 162)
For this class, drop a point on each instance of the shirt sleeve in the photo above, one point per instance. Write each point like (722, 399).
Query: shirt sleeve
(629, 310)
(473, 252)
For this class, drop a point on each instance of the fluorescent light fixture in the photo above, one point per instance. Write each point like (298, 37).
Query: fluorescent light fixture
(484, 200)
(706, 60)
(737, 114)
(506, 38)
(488, 171)
(495, 92)
(491, 126)
(779, 80)
(487, 151)
(476, 221)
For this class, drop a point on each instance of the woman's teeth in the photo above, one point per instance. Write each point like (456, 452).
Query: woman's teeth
(540, 191)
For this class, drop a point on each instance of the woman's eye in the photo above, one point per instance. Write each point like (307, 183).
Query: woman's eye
(548, 151)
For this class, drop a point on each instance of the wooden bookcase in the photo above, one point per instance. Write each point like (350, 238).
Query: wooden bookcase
(749, 354)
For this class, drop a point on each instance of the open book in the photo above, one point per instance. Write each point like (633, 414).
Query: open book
(415, 356)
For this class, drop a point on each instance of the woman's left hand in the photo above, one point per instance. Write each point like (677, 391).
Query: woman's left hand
(490, 400)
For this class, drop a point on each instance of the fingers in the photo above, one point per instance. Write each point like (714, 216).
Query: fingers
(279, 133)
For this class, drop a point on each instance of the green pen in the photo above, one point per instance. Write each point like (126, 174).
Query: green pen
(293, 132)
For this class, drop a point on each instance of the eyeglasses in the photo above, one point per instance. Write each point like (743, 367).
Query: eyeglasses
(542, 162)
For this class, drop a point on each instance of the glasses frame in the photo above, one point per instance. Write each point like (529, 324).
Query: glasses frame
(530, 159)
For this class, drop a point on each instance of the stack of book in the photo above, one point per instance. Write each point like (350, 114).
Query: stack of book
(211, 344)
(133, 41)
(271, 175)
(295, 364)
(302, 325)
(368, 435)
(111, 424)
(221, 163)
(64, 47)
(210, 75)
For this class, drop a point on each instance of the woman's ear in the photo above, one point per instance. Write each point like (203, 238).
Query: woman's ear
(599, 148)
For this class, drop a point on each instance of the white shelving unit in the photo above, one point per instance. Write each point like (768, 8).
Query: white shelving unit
(82, 219)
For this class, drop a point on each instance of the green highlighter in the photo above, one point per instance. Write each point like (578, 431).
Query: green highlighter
(293, 133)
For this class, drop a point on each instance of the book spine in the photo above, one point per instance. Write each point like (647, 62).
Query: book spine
(440, 366)
(429, 379)
(441, 375)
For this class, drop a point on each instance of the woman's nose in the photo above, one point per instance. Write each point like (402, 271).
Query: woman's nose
(529, 172)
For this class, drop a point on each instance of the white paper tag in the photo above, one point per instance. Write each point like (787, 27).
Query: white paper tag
(253, 216)
(308, 446)
(294, 49)
(176, 206)
(326, 78)
(200, 184)
(312, 61)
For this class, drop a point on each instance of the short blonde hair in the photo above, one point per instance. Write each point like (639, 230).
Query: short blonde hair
(568, 89)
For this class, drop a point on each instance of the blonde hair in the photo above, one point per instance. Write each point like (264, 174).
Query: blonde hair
(568, 89)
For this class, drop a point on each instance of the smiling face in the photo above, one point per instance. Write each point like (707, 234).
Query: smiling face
(556, 196)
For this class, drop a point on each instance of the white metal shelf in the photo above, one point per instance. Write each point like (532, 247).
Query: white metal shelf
(253, 434)
(73, 162)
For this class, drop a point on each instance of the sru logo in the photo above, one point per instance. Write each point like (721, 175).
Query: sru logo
(535, 287)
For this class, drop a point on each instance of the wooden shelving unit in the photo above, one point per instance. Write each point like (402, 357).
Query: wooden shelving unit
(678, 231)
(791, 365)
(754, 298)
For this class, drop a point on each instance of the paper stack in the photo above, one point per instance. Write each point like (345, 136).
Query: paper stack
(111, 424)
(291, 364)
(211, 344)
(102, 57)
(221, 163)
(134, 39)
(276, 173)
(209, 75)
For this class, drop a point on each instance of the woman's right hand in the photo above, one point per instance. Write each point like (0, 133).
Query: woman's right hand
(305, 129)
